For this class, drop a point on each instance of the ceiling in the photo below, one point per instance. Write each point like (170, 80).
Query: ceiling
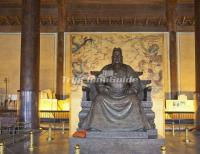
(95, 15)
(118, 2)
(92, 1)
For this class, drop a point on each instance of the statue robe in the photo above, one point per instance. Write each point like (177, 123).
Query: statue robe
(116, 113)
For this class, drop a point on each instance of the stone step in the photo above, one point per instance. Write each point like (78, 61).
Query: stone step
(133, 135)
(116, 146)
(152, 133)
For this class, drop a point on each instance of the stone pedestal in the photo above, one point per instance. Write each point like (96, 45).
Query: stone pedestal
(149, 134)
(116, 146)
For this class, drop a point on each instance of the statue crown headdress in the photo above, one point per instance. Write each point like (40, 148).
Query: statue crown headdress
(117, 50)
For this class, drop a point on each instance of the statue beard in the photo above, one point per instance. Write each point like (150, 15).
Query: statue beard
(117, 64)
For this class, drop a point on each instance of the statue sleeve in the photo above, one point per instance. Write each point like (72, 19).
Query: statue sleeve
(101, 80)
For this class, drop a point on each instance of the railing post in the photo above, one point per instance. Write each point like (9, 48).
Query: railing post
(18, 128)
(186, 135)
(163, 149)
(63, 127)
(13, 133)
(50, 134)
(77, 149)
(1, 148)
(173, 128)
(40, 129)
(31, 141)
(0, 127)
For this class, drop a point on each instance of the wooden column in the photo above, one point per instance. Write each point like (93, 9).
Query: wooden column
(30, 58)
(197, 58)
(171, 19)
(60, 73)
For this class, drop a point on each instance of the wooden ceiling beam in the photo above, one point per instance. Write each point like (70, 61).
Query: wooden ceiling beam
(53, 29)
(114, 2)
(124, 11)
(101, 2)
(17, 11)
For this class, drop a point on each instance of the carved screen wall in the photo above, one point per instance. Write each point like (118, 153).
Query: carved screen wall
(143, 51)
(90, 52)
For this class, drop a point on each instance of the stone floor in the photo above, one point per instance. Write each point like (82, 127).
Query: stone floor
(176, 145)
(59, 145)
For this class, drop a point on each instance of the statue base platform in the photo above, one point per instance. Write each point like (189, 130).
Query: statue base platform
(116, 145)
(149, 134)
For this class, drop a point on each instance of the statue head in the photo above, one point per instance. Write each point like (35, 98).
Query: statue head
(117, 57)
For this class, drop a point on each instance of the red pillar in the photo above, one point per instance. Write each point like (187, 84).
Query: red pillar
(30, 58)
(60, 73)
(171, 19)
(197, 58)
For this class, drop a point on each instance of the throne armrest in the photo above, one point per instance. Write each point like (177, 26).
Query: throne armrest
(145, 90)
(86, 93)
(147, 93)
(89, 92)
(149, 88)
(145, 82)
(85, 89)
(95, 73)
(139, 73)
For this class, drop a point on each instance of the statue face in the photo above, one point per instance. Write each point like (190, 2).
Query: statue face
(117, 56)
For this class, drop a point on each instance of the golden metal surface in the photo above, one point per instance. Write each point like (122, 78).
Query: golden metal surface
(1, 148)
(173, 128)
(163, 149)
(187, 135)
(50, 134)
(63, 127)
(77, 149)
(31, 141)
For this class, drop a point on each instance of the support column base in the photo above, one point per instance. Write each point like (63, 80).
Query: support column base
(28, 109)
(61, 97)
